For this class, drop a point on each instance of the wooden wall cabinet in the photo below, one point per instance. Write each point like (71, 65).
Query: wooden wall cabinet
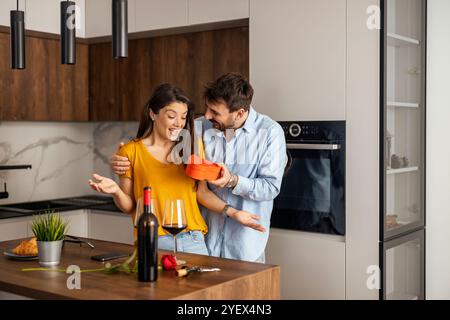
(119, 89)
(46, 89)
(100, 88)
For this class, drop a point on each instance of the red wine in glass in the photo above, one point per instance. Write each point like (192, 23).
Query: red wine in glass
(174, 221)
(174, 229)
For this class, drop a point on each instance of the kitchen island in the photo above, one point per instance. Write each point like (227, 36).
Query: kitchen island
(237, 280)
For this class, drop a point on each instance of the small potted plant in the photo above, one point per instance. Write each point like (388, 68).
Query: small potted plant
(49, 230)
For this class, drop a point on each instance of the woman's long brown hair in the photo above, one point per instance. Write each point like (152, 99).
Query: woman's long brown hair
(164, 95)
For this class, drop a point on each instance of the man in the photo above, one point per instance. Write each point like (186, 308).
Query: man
(251, 149)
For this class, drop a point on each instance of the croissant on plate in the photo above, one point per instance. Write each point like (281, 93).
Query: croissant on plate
(27, 248)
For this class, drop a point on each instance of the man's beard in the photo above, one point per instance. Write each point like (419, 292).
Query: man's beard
(220, 126)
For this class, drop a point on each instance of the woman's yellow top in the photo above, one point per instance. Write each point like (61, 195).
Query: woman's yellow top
(168, 181)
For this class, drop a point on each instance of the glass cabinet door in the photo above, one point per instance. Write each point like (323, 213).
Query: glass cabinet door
(404, 116)
(403, 274)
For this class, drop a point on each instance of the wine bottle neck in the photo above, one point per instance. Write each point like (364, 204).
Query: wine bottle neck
(147, 208)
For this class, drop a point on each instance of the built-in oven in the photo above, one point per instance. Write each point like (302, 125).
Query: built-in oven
(312, 196)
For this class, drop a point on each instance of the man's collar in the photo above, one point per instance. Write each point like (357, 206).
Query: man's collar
(249, 124)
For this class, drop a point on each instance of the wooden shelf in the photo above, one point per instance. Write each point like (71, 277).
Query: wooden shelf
(396, 104)
(402, 170)
(397, 40)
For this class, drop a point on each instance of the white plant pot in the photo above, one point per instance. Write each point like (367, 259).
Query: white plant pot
(49, 252)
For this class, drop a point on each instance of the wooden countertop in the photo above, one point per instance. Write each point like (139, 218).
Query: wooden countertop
(237, 280)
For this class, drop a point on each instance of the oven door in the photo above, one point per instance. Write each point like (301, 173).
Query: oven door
(312, 196)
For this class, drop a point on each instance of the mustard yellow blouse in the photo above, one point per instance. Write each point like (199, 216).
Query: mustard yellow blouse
(168, 181)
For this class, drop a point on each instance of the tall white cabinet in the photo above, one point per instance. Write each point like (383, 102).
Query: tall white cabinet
(314, 61)
(298, 58)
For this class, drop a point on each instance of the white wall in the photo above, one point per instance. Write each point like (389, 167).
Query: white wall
(438, 152)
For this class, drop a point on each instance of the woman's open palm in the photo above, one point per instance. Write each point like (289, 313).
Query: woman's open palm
(103, 184)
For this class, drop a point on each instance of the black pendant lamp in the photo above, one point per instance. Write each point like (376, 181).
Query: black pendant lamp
(68, 46)
(17, 34)
(120, 28)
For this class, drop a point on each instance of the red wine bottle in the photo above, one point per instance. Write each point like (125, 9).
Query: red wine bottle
(147, 241)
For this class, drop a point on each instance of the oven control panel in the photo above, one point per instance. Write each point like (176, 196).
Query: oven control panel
(300, 131)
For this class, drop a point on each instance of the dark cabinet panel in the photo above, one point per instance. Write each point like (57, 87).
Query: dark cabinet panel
(120, 88)
(45, 90)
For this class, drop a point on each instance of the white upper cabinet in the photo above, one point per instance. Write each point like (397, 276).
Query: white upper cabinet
(161, 14)
(298, 58)
(143, 15)
(99, 17)
(44, 16)
(5, 7)
(206, 11)
(41, 15)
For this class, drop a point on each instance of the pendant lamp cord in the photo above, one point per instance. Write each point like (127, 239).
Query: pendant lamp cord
(17, 5)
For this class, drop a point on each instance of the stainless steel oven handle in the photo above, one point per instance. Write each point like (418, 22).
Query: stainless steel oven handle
(305, 146)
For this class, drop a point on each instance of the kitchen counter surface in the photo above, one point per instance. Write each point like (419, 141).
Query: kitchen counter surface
(237, 280)
(94, 202)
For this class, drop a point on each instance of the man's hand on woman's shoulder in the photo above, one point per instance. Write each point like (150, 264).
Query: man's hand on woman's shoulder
(119, 164)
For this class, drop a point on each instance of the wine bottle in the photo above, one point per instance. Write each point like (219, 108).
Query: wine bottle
(147, 241)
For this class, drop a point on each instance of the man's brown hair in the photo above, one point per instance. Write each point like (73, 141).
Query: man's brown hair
(233, 89)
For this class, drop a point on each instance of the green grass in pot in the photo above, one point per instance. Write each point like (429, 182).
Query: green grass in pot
(49, 227)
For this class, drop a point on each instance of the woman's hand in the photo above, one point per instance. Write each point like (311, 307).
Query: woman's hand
(104, 185)
(247, 219)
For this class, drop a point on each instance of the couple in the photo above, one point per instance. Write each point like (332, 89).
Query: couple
(236, 208)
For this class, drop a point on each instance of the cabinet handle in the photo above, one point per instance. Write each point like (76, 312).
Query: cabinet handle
(305, 146)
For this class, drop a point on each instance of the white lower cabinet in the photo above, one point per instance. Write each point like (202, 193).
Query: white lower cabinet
(312, 265)
(77, 223)
(13, 228)
(18, 228)
(100, 225)
(110, 226)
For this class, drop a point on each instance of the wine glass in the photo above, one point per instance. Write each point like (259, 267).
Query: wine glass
(174, 221)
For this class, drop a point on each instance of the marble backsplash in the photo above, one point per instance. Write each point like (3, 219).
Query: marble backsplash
(106, 137)
(63, 156)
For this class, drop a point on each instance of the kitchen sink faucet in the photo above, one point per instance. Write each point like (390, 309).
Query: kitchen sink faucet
(4, 194)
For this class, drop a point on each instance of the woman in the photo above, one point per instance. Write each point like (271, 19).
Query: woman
(165, 115)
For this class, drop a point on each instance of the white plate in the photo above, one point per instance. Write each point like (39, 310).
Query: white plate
(19, 257)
